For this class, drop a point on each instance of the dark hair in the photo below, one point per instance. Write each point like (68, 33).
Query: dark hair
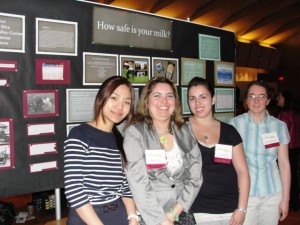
(105, 91)
(200, 81)
(141, 113)
(289, 100)
(260, 83)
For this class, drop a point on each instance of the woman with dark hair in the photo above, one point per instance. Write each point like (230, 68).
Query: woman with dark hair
(164, 161)
(291, 116)
(265, 140)
(95, 184)
(224, 194)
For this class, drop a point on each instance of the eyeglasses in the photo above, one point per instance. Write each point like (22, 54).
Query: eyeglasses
(259, 97)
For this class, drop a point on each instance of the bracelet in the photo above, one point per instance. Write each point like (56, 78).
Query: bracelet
(242, 210)
(133, 216)
(174, 214)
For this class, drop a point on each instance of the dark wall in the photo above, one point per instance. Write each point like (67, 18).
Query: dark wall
(18, 180)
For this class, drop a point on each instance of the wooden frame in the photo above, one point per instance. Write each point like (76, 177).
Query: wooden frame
(224, 73)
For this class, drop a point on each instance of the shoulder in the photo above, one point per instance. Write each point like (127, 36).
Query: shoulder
(78, 131)
(238, 119)
(134, 129)
(227, 127)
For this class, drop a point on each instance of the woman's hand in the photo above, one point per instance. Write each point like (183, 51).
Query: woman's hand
(237, 218)
(133, 221)
(167, 222)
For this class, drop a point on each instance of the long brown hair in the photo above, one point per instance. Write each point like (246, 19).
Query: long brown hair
(105, 91)
(142, 113)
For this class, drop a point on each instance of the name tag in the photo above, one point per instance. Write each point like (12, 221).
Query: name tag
(223, 153)
(270, 140)
(156, 159)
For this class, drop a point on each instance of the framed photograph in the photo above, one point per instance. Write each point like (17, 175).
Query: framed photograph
(165, 67)
(40, 103)
(40, 129)
(184, 101)
(49, 71)
(192, 68)
(224, 100)
(98, 67)
(224, 117)
(209, 47)
(65, 33)
(224, 73)
(80, 104)
(136, 69)
(7, 159)
(12, 33)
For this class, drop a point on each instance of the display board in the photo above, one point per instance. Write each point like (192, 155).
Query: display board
(47, 51)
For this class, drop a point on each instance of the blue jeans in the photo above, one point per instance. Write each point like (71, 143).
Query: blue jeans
(110, 214)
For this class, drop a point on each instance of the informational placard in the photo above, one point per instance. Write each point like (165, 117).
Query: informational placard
(184, 101)
(118, 27)
(80, 104)
(192, 68)
(12, 33)
(65, 33)
(209, 47)
(97, 67)
(224, 99)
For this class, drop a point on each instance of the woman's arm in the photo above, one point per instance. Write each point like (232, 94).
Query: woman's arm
(240, 165)
(88, 215)
(285, 173)
(131, 210)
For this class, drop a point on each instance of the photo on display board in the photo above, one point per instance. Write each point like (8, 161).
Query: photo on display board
(135, 69)
(165, 67)
(224, 73)
(40, 103)
(6, 144)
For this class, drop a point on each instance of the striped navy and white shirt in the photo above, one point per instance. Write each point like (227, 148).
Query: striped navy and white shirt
(92, 167)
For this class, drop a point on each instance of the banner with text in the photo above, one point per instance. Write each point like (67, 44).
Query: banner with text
(126, 28)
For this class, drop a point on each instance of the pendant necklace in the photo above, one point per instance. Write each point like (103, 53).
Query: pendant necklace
(205, 137)
(162, 138)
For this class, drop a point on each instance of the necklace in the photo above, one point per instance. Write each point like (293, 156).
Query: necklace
(162, 137)
(205, 137)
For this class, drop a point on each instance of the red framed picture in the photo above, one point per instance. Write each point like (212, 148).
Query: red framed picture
(7, 159)
(49, 71)
(40, 103)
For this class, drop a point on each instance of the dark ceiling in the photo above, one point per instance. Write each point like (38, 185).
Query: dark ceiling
(270, 22)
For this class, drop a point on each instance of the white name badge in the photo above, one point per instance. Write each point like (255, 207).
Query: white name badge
(156, 159)
(223, 153)
(270, 140)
